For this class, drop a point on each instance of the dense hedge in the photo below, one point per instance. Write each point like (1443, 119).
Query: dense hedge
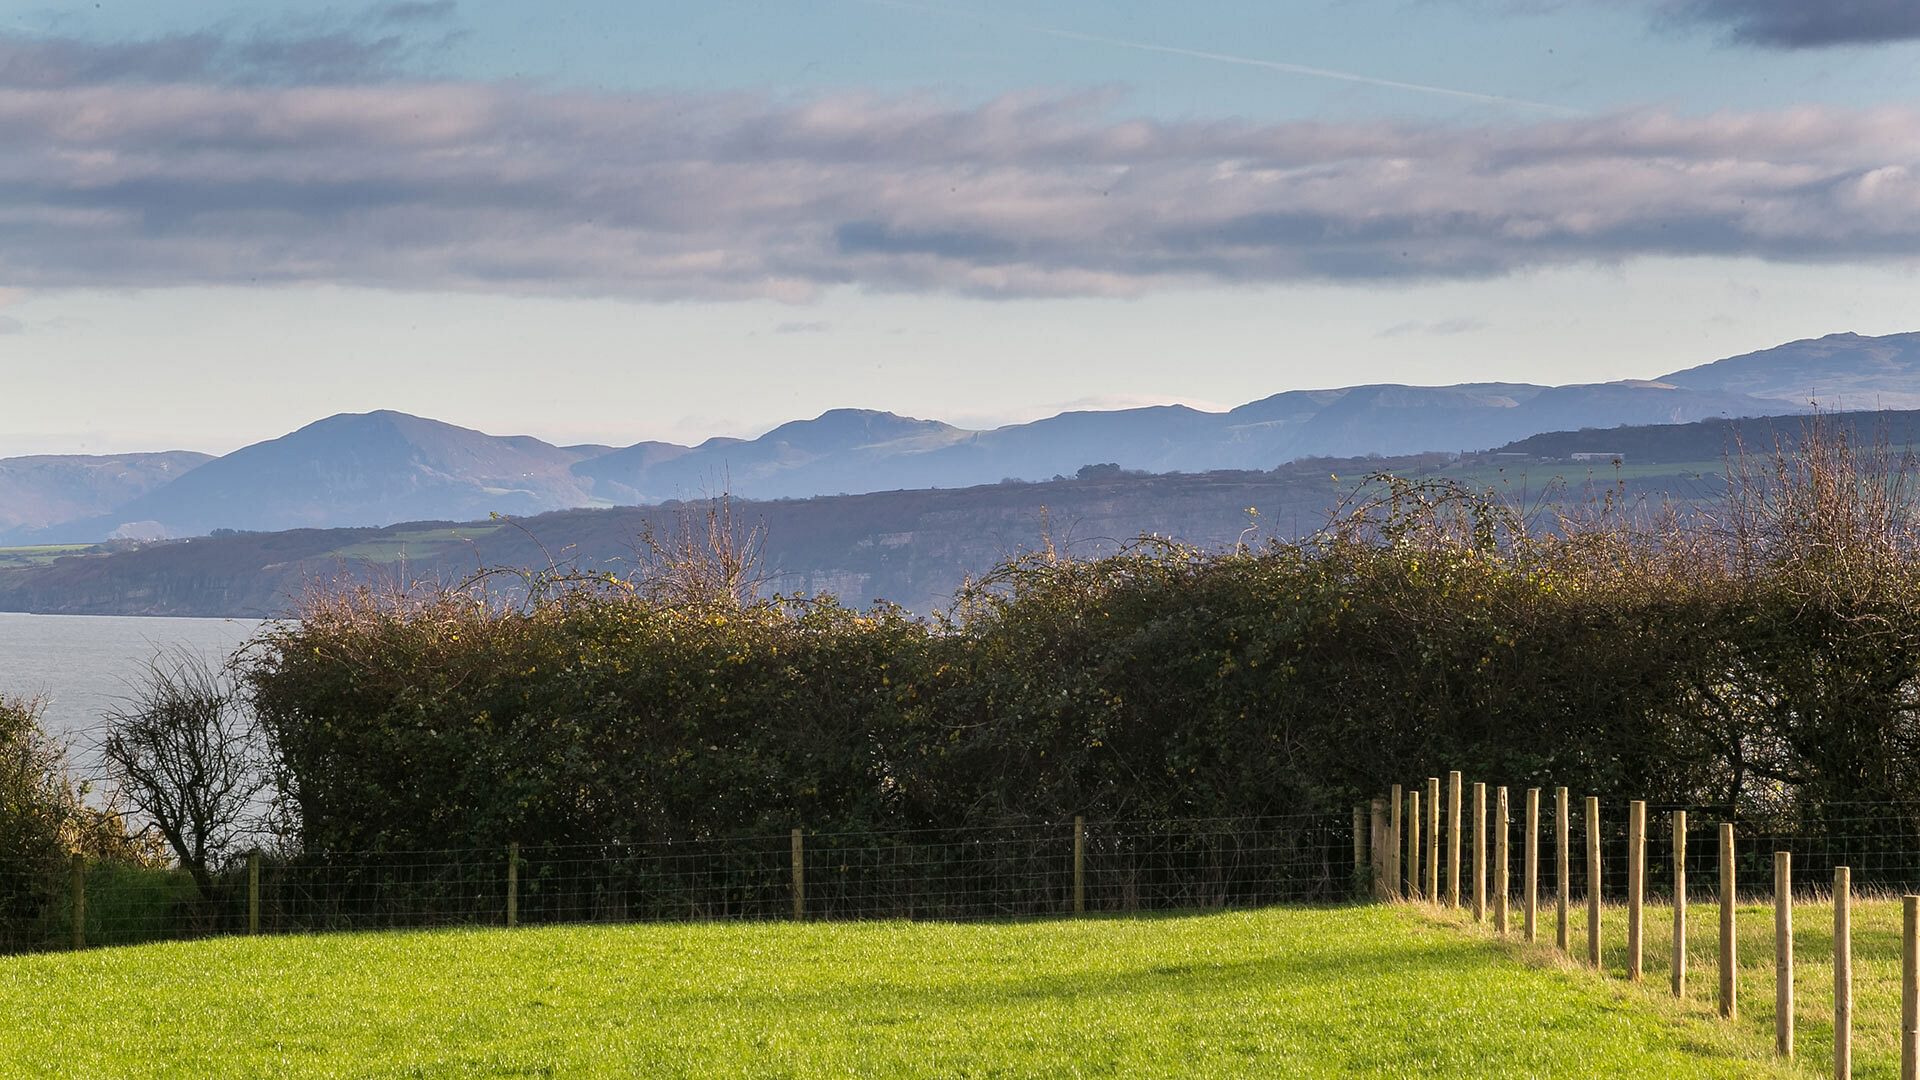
(1762, 654)
(45, 818)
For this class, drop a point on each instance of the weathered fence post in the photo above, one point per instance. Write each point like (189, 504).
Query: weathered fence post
(1393, 843)
(1532, 860)
(1729, 958)
(1079, 864)
(513, 883)
(1842, 972)
(1636, 886)
(1377, 863)
(1679, 903)
(1413, 844)
(1359, 851)
(1453, 839)
(1783, 953)
(799, 877)
(1502, 859)
(1910, 988)
(253, 892)
(1479, 851)
(1562, 867)
(1593, 880)
(79, 901)
(1433, 839)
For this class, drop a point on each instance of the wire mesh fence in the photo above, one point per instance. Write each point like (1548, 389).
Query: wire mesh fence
(1878, 842)
(1019, 870)
(1005, 871)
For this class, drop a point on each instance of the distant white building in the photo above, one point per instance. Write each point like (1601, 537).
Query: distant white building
(1599, 455)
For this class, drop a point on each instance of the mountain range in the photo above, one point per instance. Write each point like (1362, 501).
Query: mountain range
(914, 547)
(374, 469)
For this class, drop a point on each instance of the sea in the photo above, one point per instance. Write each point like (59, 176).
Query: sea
(81, 666)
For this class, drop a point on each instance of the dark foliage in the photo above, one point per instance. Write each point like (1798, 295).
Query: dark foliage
(1761, 655)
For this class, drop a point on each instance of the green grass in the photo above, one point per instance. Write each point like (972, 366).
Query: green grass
(41, 554)
(1375, 991)
(413, 543)
(124, 904)
(1876, 972)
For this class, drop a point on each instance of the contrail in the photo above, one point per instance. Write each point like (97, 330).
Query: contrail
(1229, 58)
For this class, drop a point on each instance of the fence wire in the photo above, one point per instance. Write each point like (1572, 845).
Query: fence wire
(1007, 871)
(1878, 842)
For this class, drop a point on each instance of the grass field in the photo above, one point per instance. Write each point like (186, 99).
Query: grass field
(1876, 971)
(41, 554)
(1372, 991)
(418, 542)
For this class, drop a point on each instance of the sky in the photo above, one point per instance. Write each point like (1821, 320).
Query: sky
(607, 222)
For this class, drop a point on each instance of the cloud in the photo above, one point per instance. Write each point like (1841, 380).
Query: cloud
(378, 44)
(503, 187)
(1439, 328)
(1800, 24)
(11, 325)
(401, 12)
(803, 328)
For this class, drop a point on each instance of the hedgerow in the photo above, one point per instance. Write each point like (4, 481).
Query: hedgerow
(1760, 651)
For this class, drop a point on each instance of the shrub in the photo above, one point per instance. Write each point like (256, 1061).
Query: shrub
(1761, 653)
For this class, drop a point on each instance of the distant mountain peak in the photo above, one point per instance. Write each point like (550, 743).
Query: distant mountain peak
(385, 466)
(835, 427)
(1839, 371)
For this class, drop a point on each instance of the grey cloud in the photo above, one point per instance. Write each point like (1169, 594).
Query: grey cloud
(1438, 328)
(11, 325)
(1800, 24)
(411, 11)
(506, 188)
(1772, 24)
(802, 328)
(375, 46)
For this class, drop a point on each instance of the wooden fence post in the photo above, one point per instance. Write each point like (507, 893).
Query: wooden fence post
(799, 877)
(1502, 859)
(253, 892)
(1636, 886)
(1679, 903)
(1359, 851)
(1433, 840)
(1079, 864)
(1453, 839)
(1413, 844)
(1393, 843)
(1593, 880)
(1842, 972)
(1377, 863)
(1532, 860)
(1479, 851)
(79, 901)
(1910, 988)
(1562, 867)
(513, 883)
(1729, 958)
(1783, 953)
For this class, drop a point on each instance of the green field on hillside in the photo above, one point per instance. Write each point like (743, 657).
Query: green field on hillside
(1374, 991)
(41, 554)
(415, 543)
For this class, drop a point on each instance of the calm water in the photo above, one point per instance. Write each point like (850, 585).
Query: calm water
(80, 664)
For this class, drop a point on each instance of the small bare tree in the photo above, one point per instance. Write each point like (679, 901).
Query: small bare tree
(703, 558)
(186, 754)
